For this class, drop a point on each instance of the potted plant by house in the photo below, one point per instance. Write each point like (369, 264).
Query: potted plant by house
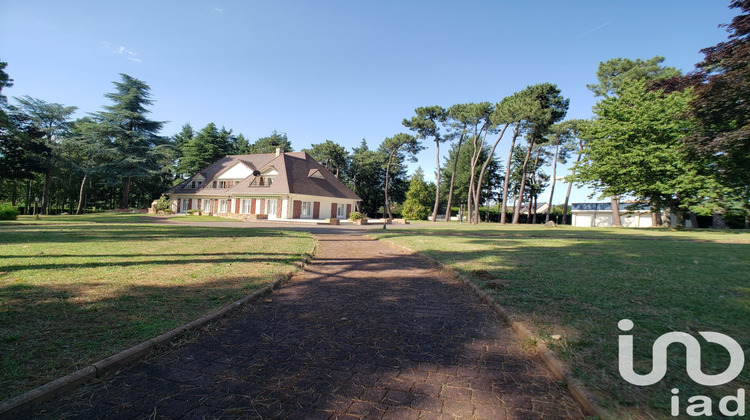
(358, 218)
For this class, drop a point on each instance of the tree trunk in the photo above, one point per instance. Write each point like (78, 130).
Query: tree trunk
(473, 212)
(516, 132)
(615, 200)
(666, 219)
(570, 185)
(45, 194)
(437, 182)
(484, 168)
(125, 194)
(693, 220)
(552, 187)
(386, 207)
(517, 209)
(535, 197)
(27, 208)
(79, 210)
(717, 221)
(453, 179)
(679, 218)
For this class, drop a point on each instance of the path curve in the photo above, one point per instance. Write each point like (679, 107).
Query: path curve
(366, 331)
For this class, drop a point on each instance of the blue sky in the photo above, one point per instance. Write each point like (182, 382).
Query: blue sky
(337, 70)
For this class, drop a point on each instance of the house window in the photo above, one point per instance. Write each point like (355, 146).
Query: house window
(307, 208)
(184, 205)
(206, 203)
(223, 184)
(245, 206)
(271, 207)
(214, 184)
(341, 211)
(222, 206)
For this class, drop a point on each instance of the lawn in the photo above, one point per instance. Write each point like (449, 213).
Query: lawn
(76, 289)
(579, 283)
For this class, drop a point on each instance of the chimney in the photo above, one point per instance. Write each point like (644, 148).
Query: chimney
(279, 151)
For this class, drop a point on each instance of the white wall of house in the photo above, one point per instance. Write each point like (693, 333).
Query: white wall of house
(604, 219)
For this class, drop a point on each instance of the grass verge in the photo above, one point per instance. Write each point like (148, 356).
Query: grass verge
(75, 289)
(578, 283)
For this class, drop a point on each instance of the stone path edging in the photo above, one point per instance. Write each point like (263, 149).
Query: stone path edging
(15, 406)
(561, 371)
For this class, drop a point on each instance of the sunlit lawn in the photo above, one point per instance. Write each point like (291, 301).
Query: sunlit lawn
(75, 289)
(580, 282)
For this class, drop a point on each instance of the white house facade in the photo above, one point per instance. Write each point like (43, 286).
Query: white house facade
(265, 186)
(600, 215)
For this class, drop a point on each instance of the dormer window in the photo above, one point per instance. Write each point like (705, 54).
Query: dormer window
(263, 181)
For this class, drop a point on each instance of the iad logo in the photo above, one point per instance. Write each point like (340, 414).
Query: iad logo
(701, 405)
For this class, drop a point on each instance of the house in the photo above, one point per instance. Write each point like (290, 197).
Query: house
(600, 215)
(541, 208)
(271, 185)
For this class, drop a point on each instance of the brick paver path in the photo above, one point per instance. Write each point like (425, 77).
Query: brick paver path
(367, 331)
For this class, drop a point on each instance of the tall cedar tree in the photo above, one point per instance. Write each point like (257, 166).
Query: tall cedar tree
(134, 136)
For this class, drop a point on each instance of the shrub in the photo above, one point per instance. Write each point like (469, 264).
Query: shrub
(355, 215)
(8, 211)
(192, 212)
(163, 203)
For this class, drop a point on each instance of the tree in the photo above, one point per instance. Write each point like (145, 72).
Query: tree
(365, 175)
(514, 109)
(634, 146)
(465, 120)
(23, 151)
(575, 128)
(722, 111)
(561, 137)
(615, 73)
(205, 148)
(396, 148)
(425, 123)
(417, 204)
(127, 127)
(333, 156)
(53, 120)
(270, 143)
(5, 81)
(551, 107)
(87, 154)
(457, 166)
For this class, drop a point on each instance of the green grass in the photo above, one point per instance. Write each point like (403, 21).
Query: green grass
(75, 289)
(580, 282)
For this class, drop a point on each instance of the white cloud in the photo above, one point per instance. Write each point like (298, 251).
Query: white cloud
(218, 9)
(130, 55)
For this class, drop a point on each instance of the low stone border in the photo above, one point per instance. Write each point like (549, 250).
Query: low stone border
(561, 371)
(22, 404)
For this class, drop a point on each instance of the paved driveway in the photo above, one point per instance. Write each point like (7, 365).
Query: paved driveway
(367, 331)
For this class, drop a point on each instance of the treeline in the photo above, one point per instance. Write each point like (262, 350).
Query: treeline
(673, 142)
